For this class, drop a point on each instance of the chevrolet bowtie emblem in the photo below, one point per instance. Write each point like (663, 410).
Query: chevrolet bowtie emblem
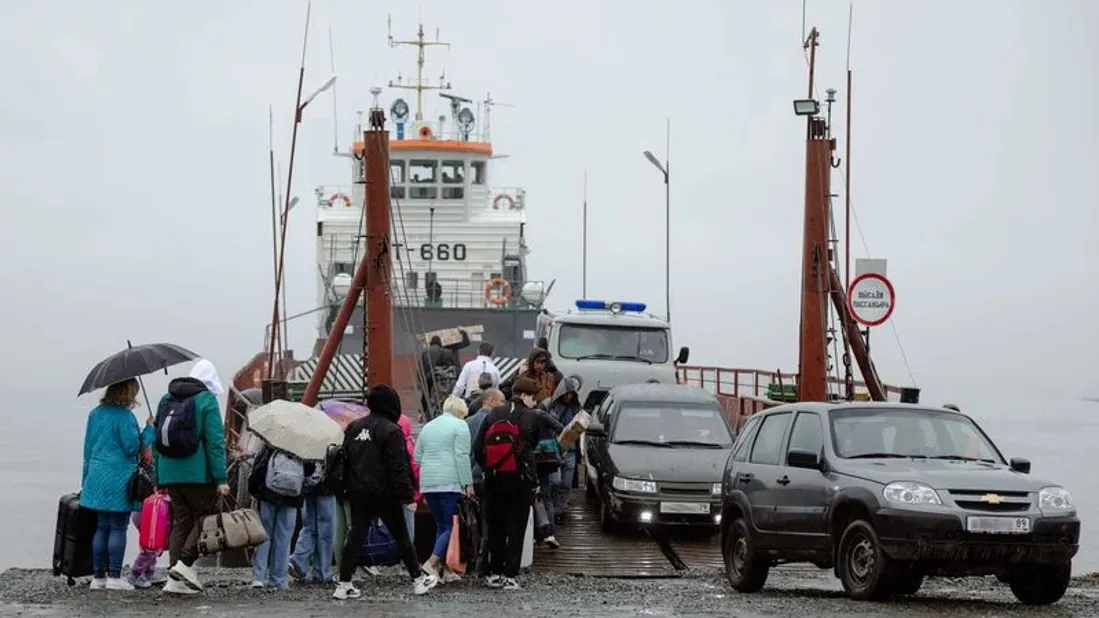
(992, 498)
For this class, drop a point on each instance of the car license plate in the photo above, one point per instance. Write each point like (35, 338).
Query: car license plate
(685, 508)
(998, 525)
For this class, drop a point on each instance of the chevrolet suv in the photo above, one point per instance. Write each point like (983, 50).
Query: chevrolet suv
(885, 494)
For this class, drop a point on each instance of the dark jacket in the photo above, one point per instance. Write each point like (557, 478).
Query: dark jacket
(532, 425)
(564, 411)
(257, 483)
(378, 467)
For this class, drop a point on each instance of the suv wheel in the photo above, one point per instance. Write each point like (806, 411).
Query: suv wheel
(862, 566)
(1040, 584)
(745, 572)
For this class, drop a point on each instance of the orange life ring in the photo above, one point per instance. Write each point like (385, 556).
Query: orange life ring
(501, 284)
(425, 132)
(341, 198)
(507, 199)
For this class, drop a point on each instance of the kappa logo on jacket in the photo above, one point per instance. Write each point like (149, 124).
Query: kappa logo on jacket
(364, 436)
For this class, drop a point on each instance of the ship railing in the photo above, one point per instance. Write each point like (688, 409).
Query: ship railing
(499, 199)
(471, 293)
(440, 131)
(744, 392)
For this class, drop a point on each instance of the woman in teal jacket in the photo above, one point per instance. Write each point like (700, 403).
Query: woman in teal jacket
(442, 450)
(112, 442)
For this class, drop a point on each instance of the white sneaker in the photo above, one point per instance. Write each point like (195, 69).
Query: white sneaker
(372, 570)
(177, 587)
(494, 581)
(510, 584)
(449, 577)
(551, 541)
(258, 585)
(183, 573)
(98, 583)
(430, 570)
(346, 590)
(117, 583)
(424, 583)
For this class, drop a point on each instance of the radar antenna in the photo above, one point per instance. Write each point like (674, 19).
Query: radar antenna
(488, 103)
(420, 86)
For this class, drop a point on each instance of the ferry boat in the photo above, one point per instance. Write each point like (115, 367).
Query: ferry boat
(459, 268)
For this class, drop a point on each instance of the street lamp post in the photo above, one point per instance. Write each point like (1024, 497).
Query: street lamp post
(664, 169)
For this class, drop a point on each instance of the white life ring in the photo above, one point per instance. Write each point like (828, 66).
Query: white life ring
(505, 198)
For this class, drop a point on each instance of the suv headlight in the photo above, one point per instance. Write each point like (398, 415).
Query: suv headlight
(1055, 499)
(910, 494)
(715, 489)
(634, 485)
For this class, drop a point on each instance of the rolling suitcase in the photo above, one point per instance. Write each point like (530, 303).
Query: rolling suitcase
(72, 544)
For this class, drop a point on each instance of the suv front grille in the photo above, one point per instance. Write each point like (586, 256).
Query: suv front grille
(991, 501)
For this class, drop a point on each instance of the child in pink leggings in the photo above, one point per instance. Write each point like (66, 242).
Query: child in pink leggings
(143, 572)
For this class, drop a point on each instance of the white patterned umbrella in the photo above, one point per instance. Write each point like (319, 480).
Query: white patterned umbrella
(296, 428)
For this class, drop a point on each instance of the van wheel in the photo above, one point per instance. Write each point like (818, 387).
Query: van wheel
(745, 572)
(863, 568)
(1041, 584)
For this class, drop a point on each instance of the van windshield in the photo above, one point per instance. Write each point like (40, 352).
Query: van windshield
(649, 345)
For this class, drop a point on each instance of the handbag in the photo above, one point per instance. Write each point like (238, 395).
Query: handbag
(230, 530)
(547, 456)
(454, 560)
(141, 485)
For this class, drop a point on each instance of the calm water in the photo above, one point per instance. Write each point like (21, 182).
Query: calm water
(41, 442)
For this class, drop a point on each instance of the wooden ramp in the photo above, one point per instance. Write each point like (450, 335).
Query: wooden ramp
(587, 551)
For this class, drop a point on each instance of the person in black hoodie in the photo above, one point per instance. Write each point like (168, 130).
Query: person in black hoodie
(510, 480)
(378, 483)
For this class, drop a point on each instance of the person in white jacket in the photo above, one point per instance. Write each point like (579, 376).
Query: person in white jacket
(472, 371)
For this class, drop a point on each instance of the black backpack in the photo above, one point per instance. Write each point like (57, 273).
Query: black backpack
(176, 431)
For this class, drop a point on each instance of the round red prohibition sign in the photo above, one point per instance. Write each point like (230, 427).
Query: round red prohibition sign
(871, 299)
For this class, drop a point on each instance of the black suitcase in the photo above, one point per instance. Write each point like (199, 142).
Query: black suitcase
(72, 544)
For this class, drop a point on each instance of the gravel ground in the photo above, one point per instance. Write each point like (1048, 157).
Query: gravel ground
(790, 592)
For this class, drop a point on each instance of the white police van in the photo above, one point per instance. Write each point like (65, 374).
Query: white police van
(610, 344)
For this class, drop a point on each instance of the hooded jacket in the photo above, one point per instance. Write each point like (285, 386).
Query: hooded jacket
(378, 466)
(547, 380)
(206, 465)
(562, 411)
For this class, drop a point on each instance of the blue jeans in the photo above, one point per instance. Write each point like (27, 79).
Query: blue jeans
(315, 541)
(563, 488)
(109, 543)
(443, 505)
(271, 563)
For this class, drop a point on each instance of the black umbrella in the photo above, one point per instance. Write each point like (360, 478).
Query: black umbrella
(134, 362)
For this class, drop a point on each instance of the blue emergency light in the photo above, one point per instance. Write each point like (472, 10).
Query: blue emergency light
(615, 306)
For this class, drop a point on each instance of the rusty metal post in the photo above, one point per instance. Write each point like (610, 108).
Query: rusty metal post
(379, 307)
(812, 383)
(859, 348)
(374, 141)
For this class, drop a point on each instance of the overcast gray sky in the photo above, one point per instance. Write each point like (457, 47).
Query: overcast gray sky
(133, 169)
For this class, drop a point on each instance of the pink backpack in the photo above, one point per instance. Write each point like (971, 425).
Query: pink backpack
(156, 522)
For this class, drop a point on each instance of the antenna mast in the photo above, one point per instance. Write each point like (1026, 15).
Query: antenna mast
(421, 45)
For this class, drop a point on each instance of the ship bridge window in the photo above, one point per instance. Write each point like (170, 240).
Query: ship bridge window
(397, 193)
(478, 172)
(396, 173)
(454, 172)
(423, 171)
(423, 193)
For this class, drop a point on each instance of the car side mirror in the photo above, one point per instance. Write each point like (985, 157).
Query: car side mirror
(595, 430)
(1020, 465)
(684, 354)
(799, 458)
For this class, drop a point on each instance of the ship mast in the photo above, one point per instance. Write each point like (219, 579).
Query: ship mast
(421, 46)
(819, 280)
(372, 273)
